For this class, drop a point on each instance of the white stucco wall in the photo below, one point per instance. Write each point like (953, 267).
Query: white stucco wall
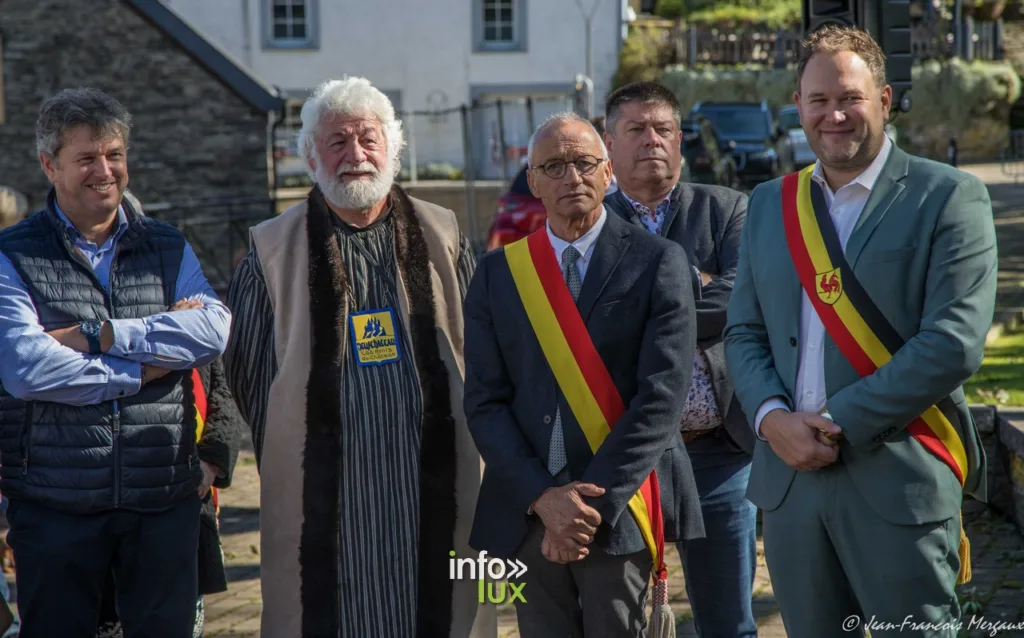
(424, 50)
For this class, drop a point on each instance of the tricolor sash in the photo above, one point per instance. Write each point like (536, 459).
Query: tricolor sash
(853, 321)
(199, 393)
(578, 368)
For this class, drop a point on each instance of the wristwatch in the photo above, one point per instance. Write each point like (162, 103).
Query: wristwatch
(91, 330)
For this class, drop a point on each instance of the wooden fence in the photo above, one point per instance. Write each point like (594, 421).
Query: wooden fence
(693, 45)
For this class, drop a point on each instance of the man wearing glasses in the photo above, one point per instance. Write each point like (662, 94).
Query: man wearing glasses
(578, 339)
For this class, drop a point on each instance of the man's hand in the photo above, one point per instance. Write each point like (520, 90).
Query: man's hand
(566, 516)
(151, 373)
(210, 473)
(560, 550)
(799, 438)
(705, 278)
(187, 304)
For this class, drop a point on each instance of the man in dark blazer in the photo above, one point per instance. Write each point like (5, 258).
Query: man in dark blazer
(546, 499)
(644, 141)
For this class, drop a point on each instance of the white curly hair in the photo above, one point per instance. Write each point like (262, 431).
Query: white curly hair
(349, 96)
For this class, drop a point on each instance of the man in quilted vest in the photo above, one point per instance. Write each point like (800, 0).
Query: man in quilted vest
(97, 404)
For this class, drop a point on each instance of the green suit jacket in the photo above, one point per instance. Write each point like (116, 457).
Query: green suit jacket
(924, 248)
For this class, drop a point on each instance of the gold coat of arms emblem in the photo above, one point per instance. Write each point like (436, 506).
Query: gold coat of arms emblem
(829, 286)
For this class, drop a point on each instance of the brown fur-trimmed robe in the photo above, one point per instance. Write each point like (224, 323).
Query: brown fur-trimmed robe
(299, 446)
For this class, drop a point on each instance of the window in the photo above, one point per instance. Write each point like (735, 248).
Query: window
(738, 123)
(499, 25)
(290, 24)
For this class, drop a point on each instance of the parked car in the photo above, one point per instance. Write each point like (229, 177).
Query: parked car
(789, 121)
(760, 148)
(708, 161)
(518, 213)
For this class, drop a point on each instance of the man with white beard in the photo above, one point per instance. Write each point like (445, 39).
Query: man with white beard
(346, 360)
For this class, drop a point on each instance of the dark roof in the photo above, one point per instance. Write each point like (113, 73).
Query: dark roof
(232, 74)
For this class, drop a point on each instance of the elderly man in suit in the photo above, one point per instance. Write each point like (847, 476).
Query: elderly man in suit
(644, 141)
(865, 288)
(579, 347)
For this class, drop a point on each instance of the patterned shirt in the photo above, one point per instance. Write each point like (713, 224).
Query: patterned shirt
(701, 406)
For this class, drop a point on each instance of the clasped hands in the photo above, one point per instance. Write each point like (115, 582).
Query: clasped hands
(803, 440)
(569, 523)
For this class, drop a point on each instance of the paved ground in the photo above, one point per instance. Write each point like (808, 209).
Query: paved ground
(1008, 205)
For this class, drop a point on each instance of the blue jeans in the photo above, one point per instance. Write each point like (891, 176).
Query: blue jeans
(719, 568)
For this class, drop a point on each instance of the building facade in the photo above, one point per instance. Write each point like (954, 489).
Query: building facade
(430, 58)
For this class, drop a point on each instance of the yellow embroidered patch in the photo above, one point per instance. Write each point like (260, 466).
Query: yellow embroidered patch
(374, 338)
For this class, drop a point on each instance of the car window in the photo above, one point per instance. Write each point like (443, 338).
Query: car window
(737, 123)
(520, 186)
(789, 120)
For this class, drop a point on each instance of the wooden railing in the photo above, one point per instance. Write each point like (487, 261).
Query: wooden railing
(692, 44)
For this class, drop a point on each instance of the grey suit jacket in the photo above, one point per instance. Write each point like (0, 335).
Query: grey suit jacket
(924, 250)
(637, 305)
(707, 221)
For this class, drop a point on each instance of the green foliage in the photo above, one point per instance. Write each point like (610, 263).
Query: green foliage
(970, 100)
(739, 83)
(670, 9)
(642, 57)
(770, 13)
(432, 171)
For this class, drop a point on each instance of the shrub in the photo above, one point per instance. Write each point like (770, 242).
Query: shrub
(642, 57)
(670, 9)
(970, 100)
(777, 14)
(432, 171)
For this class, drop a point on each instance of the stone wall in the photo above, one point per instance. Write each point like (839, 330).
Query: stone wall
(1002, 434)
(193, 137)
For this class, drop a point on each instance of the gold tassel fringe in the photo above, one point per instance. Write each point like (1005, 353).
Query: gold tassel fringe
(965, 556)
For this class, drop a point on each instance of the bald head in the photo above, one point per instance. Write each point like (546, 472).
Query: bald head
(568, 122)
(569, 171)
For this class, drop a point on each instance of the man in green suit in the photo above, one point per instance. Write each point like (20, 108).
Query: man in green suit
(861, 497)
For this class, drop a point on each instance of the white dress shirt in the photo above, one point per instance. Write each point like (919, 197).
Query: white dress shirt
(845, 207)
(584, 244)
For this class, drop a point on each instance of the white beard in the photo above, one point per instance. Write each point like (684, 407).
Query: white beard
(358, 194)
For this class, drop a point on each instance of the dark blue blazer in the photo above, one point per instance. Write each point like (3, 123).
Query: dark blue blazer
(638, 305)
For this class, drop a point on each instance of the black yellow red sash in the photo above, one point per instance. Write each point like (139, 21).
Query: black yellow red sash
(581, 374)
(851, 318)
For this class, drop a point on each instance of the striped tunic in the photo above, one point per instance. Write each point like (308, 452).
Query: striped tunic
(380, 443)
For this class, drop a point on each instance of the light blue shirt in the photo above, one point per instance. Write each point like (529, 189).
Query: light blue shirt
(38, 368)
(584, 244)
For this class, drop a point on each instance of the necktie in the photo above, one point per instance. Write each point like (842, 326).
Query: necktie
(556, 449)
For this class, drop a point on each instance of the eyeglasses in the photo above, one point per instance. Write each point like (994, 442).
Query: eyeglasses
(555, 169)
